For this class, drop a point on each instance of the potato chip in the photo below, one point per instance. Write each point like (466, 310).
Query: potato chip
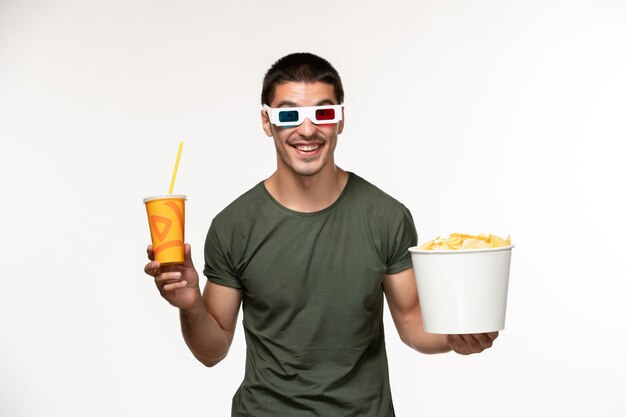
(458, 241)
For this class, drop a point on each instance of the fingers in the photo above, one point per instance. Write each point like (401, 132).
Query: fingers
(173, 286)
(162, 274)
(150, 252)
(169, 281)
(483, 340)
(466, 344)
(167, 276)
(152, 268)
(462, 344)
(171, 278)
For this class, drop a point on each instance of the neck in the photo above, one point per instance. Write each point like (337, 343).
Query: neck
(307, 194)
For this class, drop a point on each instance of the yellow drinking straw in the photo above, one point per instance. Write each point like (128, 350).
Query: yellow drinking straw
(180, 150)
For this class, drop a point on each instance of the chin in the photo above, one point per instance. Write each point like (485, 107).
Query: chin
(307, 171)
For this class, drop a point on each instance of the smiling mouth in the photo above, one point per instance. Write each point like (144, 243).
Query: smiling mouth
(307, 148)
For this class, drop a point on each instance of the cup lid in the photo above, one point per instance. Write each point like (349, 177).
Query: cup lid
(166, 197)
(416, 249)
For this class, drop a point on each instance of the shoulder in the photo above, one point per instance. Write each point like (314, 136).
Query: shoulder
(387, 221)
(243, 206)
(370, 197)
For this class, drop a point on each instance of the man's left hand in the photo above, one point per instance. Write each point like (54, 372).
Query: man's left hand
(466, 344)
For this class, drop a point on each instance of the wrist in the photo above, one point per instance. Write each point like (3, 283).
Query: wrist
(195, 308)
(431, 343)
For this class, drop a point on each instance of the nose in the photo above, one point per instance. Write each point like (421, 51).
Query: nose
(307, 128)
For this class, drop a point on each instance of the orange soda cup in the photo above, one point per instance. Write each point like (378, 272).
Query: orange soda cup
(166, 217)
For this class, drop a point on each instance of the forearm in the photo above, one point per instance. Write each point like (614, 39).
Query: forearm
(414, 336)
(208, 342)
(402, 298)
(465, 344)
(429, 343)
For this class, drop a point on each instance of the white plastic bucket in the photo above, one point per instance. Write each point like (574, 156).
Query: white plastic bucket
(462, 291)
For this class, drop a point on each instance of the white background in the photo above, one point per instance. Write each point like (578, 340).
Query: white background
(480, 116)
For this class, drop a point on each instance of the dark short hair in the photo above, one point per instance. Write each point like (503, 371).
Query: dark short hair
(301, 67)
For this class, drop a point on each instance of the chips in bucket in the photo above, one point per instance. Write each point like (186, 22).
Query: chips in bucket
(460, 241)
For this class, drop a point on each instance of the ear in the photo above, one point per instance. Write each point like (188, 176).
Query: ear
(265, 121)
(343, 118)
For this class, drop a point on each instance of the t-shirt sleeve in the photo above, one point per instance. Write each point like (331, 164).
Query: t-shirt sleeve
(402, 236)
(218, 267)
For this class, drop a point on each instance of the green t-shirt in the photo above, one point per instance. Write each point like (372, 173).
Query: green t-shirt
(312, 299)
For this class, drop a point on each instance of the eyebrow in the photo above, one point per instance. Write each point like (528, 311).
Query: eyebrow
(287, 103)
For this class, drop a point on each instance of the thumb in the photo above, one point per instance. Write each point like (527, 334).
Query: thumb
(188, 262)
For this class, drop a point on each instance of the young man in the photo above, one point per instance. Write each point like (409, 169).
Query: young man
(310, 252)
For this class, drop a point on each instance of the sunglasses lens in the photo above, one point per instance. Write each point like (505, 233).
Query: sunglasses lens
(288, 116)
(325, 114)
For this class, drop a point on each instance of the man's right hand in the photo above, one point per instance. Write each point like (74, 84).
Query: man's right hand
(178, 284)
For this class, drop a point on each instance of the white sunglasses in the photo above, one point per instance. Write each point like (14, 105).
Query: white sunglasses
(294, 116)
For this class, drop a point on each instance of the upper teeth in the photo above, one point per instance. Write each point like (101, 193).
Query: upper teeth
(307, 148)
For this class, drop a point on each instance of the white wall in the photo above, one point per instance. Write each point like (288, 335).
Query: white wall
(506, 117)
